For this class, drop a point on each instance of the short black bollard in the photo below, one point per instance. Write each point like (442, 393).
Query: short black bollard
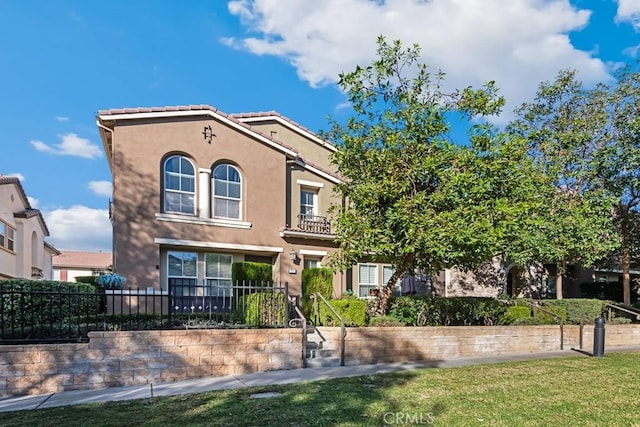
(598, 337)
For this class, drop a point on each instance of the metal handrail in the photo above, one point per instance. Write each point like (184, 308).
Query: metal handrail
(343, 329)
(617, 307)
(292, 323)
(538, 307)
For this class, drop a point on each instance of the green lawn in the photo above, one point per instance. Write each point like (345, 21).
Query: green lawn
(572, 391)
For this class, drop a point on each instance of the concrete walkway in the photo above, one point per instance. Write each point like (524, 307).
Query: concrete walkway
(199, 385)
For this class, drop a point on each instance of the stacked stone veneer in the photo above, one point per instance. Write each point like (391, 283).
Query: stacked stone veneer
(143, 357)
(130, 358)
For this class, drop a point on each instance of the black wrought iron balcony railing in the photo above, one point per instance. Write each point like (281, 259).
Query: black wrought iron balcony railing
(314, 224)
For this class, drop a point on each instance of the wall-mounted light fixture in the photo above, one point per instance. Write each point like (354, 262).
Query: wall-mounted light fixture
(208, 134)
(293, 255)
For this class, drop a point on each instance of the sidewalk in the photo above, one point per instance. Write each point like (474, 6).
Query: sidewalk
(199, 385)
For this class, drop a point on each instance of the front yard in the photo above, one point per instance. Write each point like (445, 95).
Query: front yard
(560, 392)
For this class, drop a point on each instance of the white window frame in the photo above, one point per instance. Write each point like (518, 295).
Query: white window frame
(314, 206)
(215, 197)
(367, 286)
(217, 290)
(180, 175)
(194, 278)
(7, 237)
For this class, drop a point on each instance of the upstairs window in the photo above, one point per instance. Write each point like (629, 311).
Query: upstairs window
(179, 185)
(227, 192)
(7, 237)
(308, 204)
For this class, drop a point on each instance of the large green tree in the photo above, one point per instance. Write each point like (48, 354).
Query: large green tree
(413, 195)
(564, 127)
(619, 164)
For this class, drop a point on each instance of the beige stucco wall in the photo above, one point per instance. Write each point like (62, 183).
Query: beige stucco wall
(25, 255)
(140, 148)
(311, 150)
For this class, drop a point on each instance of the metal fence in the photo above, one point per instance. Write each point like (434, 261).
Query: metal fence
(29, 314)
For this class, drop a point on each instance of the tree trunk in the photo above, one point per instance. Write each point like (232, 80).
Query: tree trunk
(381, 310)
(559, 278)
(626, 276)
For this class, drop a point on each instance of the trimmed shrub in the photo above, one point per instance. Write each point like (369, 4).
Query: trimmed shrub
(452, 311)
(559, 312)
(258, 273)
(513, 314)
(385, 321)
(352, 310)
(265, 309)
(315, 280)
(87, 279)
(577, 308)
(31, 303)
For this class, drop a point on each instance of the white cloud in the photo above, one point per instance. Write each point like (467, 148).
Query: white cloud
(62, 119)
(33, 202)
(517, 43)
(632, 51)
(101, 188)
(16, 175)
(71, 145)
(79, 228)
(629, 11)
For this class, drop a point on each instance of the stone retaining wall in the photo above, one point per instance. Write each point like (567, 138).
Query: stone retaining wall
(136, 358)
(142, 357)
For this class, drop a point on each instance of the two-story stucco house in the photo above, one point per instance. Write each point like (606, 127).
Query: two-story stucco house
(196, 189)
(24, 253)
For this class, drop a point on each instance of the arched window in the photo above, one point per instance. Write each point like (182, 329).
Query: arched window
(179, 185)
(227, 192)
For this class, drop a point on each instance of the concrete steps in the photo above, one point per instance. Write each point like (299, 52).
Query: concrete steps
(317, 354)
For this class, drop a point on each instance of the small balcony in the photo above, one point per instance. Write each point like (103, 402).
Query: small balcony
(314, 224)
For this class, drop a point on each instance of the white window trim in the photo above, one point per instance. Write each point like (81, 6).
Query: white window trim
(305, 183)
(315, 207)
(313, 252)
(165, 190)
(377, 284)
(216, 245)
(213, 196)
(217, 222)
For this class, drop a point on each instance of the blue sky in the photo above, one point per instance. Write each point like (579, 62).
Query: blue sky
(62, 61)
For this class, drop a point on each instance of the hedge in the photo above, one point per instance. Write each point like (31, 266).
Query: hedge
(251, 272)
(265, 309)
(315, 280)
(353, 312)
(451, 311)
(577, 308)
(515, 314)
(31, 303)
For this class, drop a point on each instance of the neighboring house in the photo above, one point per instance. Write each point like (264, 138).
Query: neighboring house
(23, 251)
(71, 264)
(196, 189)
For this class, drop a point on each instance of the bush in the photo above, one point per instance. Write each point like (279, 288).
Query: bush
(551, 315)
(577, 308)
(91, 280)
(385, 321)
(514, 314)
(315, 280)
(265, 309)
(110, 281)
(353, 312)
(430, 311)
(251, 272)
(30, 303)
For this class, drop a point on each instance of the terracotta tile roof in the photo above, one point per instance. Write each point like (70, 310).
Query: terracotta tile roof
(27, 213)
(84, 260)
